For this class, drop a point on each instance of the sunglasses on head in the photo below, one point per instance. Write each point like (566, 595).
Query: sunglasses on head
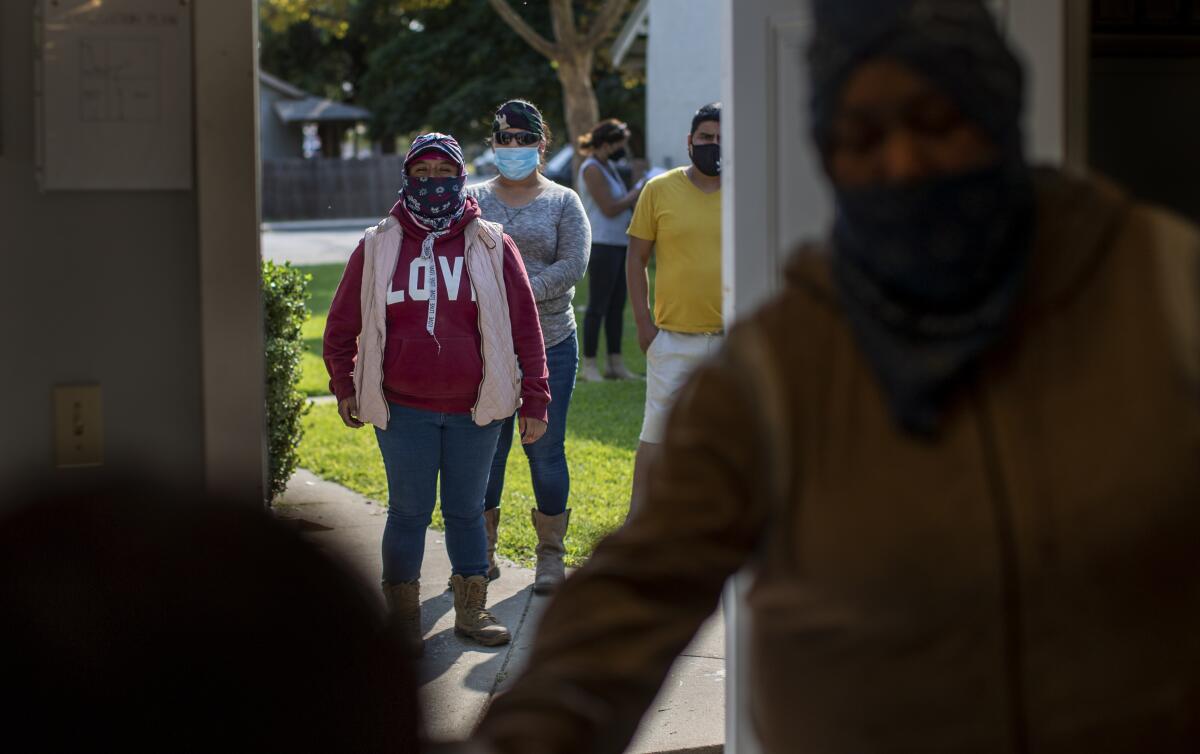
(523, 138)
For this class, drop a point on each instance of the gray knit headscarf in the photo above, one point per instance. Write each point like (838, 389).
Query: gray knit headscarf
(956, 44)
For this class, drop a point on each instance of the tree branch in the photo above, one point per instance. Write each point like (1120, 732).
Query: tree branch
(562, 16)
(526, 32)
(604, 22)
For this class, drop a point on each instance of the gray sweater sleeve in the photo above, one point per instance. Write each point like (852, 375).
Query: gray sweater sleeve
(572, 252)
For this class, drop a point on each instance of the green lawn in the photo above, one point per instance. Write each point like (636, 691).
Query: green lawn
(602, 433)
(325, 278)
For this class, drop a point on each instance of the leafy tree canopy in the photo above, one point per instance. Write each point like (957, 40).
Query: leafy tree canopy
(422, 65)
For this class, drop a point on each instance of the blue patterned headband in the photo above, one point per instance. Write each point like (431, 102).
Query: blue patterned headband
(436, 142)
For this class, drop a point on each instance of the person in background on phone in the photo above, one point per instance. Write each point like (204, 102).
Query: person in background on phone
(609, 205)
(433, 337)
(678, 221)
(549, 225)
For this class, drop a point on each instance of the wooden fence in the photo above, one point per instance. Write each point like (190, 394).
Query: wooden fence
(319, 188)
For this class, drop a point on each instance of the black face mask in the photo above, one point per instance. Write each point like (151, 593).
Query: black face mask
(707, 158)
(618, 154)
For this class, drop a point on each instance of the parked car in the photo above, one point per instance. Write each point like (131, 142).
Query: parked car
(558, 167)
(484, 165)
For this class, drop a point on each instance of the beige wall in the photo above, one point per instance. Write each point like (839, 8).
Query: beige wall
(123, 288)
(94, 287)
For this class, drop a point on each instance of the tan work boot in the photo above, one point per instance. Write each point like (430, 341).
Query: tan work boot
(549, 571)
(491, 523)
(471, 618)
(404, 614)
(617, 369)
(588, 371)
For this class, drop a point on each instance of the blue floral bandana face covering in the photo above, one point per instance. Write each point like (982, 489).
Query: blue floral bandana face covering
(435, 201)
(516, 163)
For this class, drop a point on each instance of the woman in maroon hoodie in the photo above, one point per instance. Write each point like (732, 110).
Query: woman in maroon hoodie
(420, 341)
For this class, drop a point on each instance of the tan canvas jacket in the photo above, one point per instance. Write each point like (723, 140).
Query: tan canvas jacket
(1027, 582)
(500, 390)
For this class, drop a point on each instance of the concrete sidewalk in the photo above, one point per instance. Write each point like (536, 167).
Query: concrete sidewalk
(316, 246)
(308, 226)
(458, 678)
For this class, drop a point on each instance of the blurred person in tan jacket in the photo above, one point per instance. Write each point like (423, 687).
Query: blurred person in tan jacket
(960, 450)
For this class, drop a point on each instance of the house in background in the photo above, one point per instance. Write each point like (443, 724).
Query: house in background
(295, 125)
(286, 112)
(678, 45)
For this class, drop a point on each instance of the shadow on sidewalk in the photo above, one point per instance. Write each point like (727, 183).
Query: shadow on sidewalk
(445, 649)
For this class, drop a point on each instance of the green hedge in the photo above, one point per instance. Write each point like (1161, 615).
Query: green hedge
(285, 299)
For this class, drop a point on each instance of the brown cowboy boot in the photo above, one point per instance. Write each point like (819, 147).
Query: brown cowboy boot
(491, 523)
(549, 572)
(404, 614)
(471, 618)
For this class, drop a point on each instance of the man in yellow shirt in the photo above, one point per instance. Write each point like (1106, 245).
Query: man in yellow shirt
(678, 220)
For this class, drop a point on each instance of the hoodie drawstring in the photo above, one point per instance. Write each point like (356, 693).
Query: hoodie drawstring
(431, 282)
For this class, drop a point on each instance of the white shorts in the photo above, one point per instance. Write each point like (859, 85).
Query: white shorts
(671, 359)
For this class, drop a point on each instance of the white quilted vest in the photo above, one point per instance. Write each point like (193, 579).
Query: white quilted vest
(500, 390)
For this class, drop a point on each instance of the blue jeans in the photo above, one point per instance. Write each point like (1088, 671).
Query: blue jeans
(417, 448)
(548, 456)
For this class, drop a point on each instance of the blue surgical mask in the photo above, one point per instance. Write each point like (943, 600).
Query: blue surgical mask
(516, 163)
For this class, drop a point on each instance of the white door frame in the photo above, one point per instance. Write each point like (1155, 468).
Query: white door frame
(227, 197)
(772, 199)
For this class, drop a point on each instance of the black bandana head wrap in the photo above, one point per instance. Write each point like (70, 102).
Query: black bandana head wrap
(518, 113)
(928, 272)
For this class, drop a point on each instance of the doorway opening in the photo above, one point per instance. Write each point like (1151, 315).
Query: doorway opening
(1144, 99)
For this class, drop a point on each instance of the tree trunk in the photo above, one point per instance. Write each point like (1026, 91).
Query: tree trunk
(574, 51)
(579, 97)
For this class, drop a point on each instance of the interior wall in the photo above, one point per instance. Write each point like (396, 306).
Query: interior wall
(96, 287)
(1144, 124)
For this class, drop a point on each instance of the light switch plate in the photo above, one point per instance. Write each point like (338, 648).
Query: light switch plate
(78, 426)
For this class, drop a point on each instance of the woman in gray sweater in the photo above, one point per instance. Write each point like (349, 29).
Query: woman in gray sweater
(550, 227)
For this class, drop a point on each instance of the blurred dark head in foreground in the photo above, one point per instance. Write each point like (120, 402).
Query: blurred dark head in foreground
(905, 90)
(916, 108)
(140, 620)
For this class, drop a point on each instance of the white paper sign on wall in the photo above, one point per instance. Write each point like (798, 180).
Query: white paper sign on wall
(113, 94)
